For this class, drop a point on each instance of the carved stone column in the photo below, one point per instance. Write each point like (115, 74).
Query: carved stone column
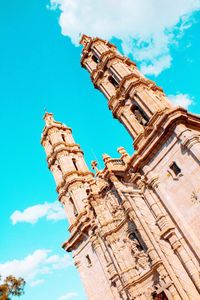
(111, 274)
(131, 123)
(189, 140)
(167, 285)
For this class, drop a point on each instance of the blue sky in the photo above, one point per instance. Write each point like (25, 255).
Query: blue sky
(40, 68)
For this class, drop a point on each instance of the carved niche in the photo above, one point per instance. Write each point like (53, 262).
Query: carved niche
(141, 258)
(160, 296)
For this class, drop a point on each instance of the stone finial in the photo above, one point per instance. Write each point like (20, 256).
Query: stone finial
(122, 151)
(124, 155)
(85, 39)
(94, 165)
(49, 119)
(105, 157)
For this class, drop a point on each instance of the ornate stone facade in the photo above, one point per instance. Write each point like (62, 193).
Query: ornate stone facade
(134, 226)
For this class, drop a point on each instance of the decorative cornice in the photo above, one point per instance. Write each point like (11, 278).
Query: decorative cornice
(109, 56)
(99, 74)
(89, 45)
(141, 278)
(117, 227)
(56, 125)
(164, 124)
(67, 148)
(133, 84)
(127, 77)
(65, 184)
(78, 235)
(76, 224)
(116, 102)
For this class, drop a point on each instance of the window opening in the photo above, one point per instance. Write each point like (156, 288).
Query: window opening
(75, 163)
(140, 115)
(113, 81)
(94, 212)
(114, 283)
(89, 262)
(175, 168)
(119, 199)
(74, 207)
(63, 137)
(160, 296)
(133, 237)
(95, 59)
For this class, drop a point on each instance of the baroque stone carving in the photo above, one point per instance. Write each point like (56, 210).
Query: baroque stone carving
(195, 196)
(141, 258)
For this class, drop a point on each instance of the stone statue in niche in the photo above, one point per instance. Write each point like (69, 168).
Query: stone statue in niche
(124, 257)
(134, 241)
(139, 115)
(143, 260)
(141, 257)
(103, 213)
(140, 118)
(115, 208)
(113, 204)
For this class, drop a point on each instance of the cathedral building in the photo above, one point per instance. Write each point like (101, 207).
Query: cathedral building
(135, 225)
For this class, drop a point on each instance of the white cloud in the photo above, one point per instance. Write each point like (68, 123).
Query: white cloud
(183, 100)
(156, 66)
(68, 296)
(36, 282)
(50, 211)
(38, 263)
(146, 28)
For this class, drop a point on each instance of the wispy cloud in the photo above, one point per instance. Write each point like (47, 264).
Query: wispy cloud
(37, 264)
(36, 282)
(68, 296)
(146, 28)
(50, 211)
(183, 100)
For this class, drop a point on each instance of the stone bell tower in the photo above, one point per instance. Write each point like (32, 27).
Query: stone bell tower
(73, 183)
(132, 98)
(134, 226)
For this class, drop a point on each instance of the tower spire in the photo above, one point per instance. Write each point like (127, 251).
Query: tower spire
(48, 118)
